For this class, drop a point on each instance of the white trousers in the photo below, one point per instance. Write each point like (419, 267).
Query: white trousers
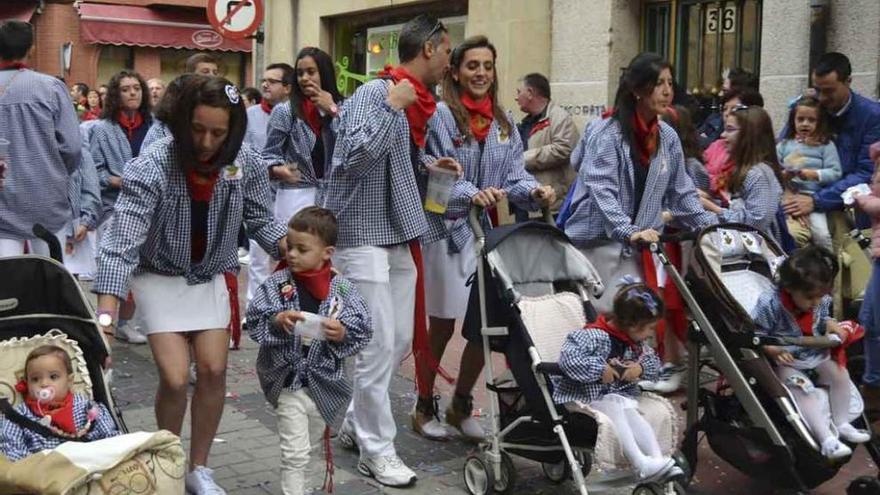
(259, 269)
(386, 278)
(15, 247)
(300, 428)
(819, 231)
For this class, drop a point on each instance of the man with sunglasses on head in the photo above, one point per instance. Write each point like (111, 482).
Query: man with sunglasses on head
(373, 191)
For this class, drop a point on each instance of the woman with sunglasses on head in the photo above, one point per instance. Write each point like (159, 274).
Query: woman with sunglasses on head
(470, 127)
(174, 241)
(301, 134)
(756, 182)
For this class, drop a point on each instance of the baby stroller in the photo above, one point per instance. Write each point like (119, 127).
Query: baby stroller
(42, 304)
(532, 288)
(756, 428)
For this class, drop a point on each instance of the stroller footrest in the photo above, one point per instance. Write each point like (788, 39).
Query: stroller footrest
(549, 368)
(495, 331)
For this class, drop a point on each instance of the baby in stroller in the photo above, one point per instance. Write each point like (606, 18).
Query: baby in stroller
(48, 377)
(799, 306)
(602, 365)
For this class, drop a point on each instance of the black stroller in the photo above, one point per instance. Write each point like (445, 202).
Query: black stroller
(532, 288)
(757, 427)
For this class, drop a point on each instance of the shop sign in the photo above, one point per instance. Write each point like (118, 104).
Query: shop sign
(205, 38)
(235, 19)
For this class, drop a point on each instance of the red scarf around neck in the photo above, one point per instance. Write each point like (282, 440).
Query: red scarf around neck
(419, 112)
(201, 186)
(804, 319)
(130, 124)
(92, 114)
(317, 282)
(312, 115)
(266, 106)
(61, 412)
(606, 326)
(482, 114)
(647, 135)
(13, 65)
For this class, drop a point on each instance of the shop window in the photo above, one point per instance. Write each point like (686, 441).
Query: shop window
(113, 59)
(657, 17)
(174, 64)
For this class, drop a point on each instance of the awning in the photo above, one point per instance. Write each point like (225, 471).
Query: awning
(19, 11)
(141, 26)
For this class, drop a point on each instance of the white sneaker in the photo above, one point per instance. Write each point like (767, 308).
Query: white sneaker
(654, 468)
(669, 381)
(834, 449)
(852, 434)
(347, 438)
(387, 469)
(200, 481)
(131, 333)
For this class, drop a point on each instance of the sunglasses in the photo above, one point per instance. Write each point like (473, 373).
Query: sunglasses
(437, 27)
(739, 107)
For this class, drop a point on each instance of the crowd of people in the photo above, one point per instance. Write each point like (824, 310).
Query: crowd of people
(157, 191)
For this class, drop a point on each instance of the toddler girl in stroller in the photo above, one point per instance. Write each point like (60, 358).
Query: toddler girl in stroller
(800, 306)
(48, 376)
(602, 365)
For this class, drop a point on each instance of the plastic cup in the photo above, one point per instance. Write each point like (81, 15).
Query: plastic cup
(311, 328)
(440, 182)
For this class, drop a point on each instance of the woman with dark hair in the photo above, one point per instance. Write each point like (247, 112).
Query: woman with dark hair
(472, 128)
(301, 135)
(631, 170)
(166, 109)
(173, 241)
(93, 103)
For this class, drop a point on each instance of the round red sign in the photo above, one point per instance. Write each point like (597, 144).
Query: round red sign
(235, 18)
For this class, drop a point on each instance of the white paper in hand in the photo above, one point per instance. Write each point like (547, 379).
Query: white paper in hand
(848, 196)
(311, 327)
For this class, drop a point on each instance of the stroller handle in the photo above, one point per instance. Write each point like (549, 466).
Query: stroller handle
(477, 227)
(816, 342)
(42, 233)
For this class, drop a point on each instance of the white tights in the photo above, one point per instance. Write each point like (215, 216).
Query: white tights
(637, 438)
(838, 381)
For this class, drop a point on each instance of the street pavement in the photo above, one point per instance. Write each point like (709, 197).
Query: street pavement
(245, 455)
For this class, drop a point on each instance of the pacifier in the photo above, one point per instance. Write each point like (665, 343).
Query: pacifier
(46, 394)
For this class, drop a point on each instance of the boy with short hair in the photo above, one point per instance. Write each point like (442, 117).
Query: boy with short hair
(302, 376)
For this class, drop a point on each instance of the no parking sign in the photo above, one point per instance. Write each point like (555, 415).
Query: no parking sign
(235, 19)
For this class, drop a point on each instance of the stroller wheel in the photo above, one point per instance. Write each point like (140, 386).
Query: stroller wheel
(649, 489)
(478, 476)
(557, 472)
(682, 462)
(863, 485)
(507, 477)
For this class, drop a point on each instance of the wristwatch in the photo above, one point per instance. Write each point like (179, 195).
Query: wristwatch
(105, 318)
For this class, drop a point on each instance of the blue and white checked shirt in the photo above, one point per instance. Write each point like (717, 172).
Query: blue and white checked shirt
(151, 226)
(157, 131)
(605, 207)
(757, 202)
(280, 363)
(498, 164)
(17, 442)
(257, 124)
(372, 187)
(771, 318)
(38, 120)
(583, 357)
(84, 191)
(289, 139)
(111, 151)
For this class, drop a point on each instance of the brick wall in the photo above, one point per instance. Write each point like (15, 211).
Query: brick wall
(58, 24)
(147, 63)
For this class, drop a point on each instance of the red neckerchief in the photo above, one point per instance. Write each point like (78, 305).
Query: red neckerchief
(647, 136)
(316, 282)
(60, 411)
(312, 115)
(804, 319)
(606, 326)
(266, 106)
(13, 65)
(482, 115)
(855, 332)
(608, 113)
(92, 114)
(201, 186)
(130, 123)
(419, 112)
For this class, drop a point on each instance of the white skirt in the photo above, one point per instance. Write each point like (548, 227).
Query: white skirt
(289, 201)
(167, 304)
(446, 276)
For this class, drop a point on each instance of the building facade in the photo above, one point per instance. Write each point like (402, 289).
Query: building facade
(90, 40)
(582, 45)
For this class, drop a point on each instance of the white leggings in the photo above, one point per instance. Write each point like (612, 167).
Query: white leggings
(637, 438)
(838, 382)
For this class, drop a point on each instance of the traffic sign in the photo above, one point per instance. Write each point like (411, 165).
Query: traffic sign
(235, 19)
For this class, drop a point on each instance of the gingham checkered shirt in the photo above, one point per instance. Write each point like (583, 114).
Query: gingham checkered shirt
(771, 318)
(157, 131)
(372, 186)
(280, 361)
(38, 120)
(605, 209)
(583, 358)
(151, 226)
(498, 164)
(17, 442)
(757, 202)
(111, 151)
(84, 191)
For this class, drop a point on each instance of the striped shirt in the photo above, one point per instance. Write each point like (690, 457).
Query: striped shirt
(38, 120)
(605, 207)
(372, 186)
(497, 163)
(16, 442)
(280, 361)
(111, 151)
(151, 228)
